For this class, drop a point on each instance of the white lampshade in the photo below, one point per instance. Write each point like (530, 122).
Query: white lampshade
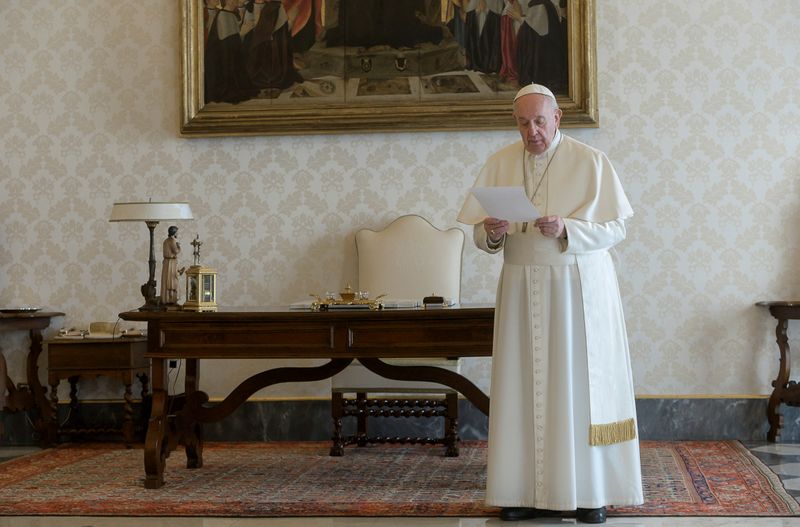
(150, 211)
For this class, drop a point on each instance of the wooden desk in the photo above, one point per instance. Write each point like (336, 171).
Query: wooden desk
(278, 333)
(120, 358)
(783, 390)
(32, 396)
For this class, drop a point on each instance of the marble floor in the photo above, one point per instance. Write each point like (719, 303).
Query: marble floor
(784, 459)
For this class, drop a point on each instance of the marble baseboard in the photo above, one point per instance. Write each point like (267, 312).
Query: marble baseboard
(18, 429)
(310, 420)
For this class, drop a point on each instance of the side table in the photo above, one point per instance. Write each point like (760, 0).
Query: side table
(121, 358)
(29, 396)
(783, 390)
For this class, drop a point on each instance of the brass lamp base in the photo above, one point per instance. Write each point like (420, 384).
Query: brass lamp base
(151, 301)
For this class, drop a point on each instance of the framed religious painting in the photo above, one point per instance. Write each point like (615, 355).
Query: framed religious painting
(276, 67)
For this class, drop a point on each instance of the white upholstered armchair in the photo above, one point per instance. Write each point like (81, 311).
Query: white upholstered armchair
(408, 260)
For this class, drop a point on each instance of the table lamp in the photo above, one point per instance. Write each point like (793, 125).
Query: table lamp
(151, 213)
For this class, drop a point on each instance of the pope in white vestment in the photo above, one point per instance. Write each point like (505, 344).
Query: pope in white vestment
(562, 423)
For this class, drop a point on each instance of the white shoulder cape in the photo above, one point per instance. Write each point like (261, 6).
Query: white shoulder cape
(595, 194)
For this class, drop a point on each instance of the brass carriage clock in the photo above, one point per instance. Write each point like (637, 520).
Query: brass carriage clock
(201, 284)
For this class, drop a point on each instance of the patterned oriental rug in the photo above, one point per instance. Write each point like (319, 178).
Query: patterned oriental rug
(687, 478)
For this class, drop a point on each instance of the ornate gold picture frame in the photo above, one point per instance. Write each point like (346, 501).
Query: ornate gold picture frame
(308, 108)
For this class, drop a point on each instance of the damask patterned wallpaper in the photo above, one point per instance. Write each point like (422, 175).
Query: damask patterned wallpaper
(699, 107)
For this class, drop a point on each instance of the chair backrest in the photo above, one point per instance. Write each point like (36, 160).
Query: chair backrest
(410, 259)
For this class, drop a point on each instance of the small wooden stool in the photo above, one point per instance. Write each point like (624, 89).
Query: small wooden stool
(431, 402)
(121, 358)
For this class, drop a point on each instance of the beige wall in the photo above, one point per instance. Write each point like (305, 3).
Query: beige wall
(699, 107)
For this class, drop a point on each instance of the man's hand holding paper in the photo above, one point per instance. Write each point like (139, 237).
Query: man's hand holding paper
(495, 228)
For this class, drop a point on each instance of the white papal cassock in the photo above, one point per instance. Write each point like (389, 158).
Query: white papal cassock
(562, 423)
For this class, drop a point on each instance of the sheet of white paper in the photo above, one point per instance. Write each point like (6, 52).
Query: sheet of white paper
(506, 203)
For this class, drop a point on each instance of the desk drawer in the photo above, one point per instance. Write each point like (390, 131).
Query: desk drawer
(247, 340)
(426, 339)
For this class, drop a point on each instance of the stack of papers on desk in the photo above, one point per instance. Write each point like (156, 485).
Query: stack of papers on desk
(393, 302)
(70, 335)
(303, 304)
(86, 334)
(130, 333)
(388, 303)
(400, 303)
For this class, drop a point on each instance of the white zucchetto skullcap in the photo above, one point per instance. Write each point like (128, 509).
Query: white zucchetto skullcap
(534, 88)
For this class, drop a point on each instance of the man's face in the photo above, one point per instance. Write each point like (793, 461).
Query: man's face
(537, 121)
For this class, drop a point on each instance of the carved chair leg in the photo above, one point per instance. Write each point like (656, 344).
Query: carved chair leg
(451, 426)
(127, 415)
(337, 412)
(73, 392)
(144, 380)
(53, 422)
(361, 405)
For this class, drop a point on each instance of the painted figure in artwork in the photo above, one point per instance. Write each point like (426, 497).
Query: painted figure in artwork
(225, 77)
(394, 23)
(482, 31)
(510, 22)
(541, 49)
(267, 46)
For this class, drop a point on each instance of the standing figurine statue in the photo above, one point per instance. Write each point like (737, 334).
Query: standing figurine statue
(169, 268)
(196, 243)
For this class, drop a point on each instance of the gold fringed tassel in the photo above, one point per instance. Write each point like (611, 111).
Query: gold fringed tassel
(610, 433)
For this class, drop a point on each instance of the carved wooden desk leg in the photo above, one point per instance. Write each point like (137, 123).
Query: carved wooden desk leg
(157, 444)
(191, 430)
(774, 417)
(47, 422)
